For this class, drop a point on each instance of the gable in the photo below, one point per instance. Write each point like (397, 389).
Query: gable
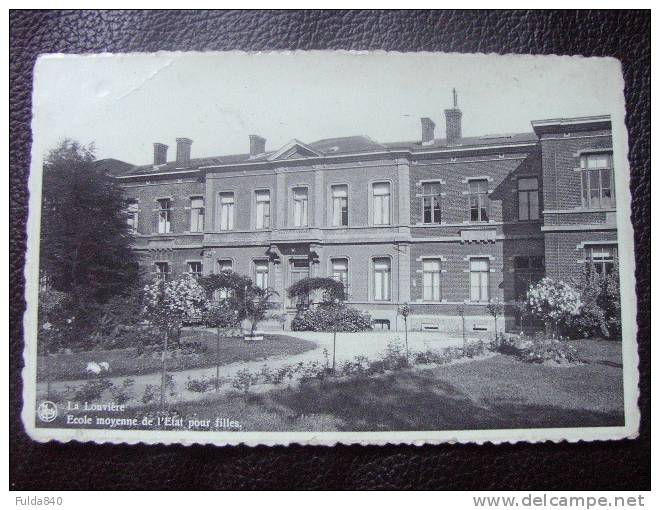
(295, 149)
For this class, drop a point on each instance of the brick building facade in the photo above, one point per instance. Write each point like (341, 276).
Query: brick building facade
(442, 224)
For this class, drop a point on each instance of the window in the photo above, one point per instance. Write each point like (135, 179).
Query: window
(223, 265)
(340, 271)
(164, 216)
(601, 258)
(262, 198)
(431, 202)
(298, 270)
(431, 280)
(195, 269)
(162, 270)
(381, 203)
(382, 279)
(478, 200)
(197, 214)
(226, 211)
(528, 199)
(528, 271)
(339, 205)
(261, 273)
(479, 269)
(597, 181)
(300, 210)
(132, 219)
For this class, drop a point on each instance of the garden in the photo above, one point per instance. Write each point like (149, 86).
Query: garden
(191, 346)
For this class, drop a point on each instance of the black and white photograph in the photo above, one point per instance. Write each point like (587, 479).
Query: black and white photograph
(327, 247)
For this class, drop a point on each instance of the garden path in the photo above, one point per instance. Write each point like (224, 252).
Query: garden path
(349, 345)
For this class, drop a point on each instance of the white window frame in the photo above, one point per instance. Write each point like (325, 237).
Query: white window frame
(227, 209)
(381, 204)
(585, 184)
(164, 215)
(432, 280)
(260, 280)
(133, 211)
(337, 214)
(162, 274)
(197, 214)
(223, 293)
(431, 197)
(262, 209)
(481, 274)
(189, 268)
(600, 264)
(300, 207)
(483, 200)
(345, 280)
(381, 280)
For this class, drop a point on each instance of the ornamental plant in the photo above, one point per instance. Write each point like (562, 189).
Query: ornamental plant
(169, 303)
(553, 302)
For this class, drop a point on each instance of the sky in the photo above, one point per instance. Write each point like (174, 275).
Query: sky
(125, 103)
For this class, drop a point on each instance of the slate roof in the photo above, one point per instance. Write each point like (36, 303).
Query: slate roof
(328, 146)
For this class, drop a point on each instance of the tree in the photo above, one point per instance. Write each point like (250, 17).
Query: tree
(167, 304)
(250, 302)
(224, 313)
(86, 244)
(496, 309)
(404, 311)
(333, 290)
(332, 301)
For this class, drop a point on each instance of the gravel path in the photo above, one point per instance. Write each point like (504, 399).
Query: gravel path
(349, 345)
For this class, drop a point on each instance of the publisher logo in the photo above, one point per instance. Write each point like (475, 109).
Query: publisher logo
(47, 411)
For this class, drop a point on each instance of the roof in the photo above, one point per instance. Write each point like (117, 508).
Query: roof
(327, 147)
(594, 122)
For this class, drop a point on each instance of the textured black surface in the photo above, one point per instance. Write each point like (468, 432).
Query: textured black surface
(606, 465)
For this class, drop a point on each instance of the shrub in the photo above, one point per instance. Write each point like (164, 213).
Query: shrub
(244, 379)
(331, 317)
(600, 314)
(538, 349)
(92, 390)
(150, 394)
(122, 394)
(205, 384)
(552, 302)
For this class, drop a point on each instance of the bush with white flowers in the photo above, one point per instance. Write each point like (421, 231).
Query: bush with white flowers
(168, 303)
(552, 301)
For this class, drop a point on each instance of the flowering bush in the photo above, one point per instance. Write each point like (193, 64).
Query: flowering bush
(168, 303)
(552, 302)
(538, 349)
(331, 317)
(600, 314)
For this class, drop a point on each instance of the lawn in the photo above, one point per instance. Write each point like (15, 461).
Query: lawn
(128, 362)
(498, 392)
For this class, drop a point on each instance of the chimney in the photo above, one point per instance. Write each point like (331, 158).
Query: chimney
(428, 134)
(160, 154)
(183, 152)
(453, 117)
(257, 145)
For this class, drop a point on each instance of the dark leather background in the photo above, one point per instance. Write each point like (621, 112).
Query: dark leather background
(603, 465)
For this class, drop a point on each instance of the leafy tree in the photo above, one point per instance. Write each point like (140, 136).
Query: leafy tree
(167, 304)
(496, 309)
(333, 290)
(85, 239)
(250, 302)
